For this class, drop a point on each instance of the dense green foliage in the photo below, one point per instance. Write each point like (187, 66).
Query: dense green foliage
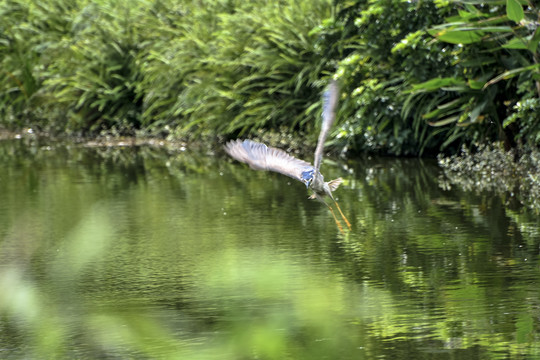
(427, 87)
(417, 77)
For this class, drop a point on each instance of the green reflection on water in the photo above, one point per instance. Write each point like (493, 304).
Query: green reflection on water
(143, 252)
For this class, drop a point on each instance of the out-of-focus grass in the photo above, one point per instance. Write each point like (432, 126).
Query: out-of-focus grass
(40, 299)
(253, 304)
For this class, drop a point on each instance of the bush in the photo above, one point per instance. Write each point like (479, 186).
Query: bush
(417, 77)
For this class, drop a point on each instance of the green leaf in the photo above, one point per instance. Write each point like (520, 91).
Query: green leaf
(457, 36)
(510, 120)
(457, 88)
(476, 84)
(450, 104)
(444, 122)
(533, 43)
(437, 83)
(511, 73)
(432, 114)
(514, 10)
(491, 29)
(475, 113)
(515, 43)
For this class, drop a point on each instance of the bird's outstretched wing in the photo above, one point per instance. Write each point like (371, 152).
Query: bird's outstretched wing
(330, 100)
(262, 157)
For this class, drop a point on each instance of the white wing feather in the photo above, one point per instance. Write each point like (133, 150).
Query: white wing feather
(261, 157)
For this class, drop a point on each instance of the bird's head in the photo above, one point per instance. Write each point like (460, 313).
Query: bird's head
(307, 177)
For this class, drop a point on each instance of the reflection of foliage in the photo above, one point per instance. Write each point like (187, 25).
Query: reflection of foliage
(420, 244)
(134, 252)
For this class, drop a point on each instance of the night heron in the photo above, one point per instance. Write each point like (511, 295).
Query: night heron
(261, 157)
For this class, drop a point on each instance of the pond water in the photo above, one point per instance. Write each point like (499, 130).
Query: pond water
(147, 252)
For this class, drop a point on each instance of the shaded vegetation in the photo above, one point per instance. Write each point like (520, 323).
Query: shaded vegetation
(417, 77)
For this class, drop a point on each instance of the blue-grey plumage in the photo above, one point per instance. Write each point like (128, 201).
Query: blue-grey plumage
(261, 157)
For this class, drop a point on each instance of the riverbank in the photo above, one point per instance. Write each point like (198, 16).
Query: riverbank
(290, 143)
(514, 175)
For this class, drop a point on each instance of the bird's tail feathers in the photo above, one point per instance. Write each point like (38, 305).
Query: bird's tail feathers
(334, 184)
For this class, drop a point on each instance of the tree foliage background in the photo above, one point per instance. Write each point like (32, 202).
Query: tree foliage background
(417, 77)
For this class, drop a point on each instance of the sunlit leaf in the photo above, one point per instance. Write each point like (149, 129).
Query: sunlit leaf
(476, 84)
(533, 43)
(514, 10)
(511, 73)
(457, 36)
(444, 122)
(438, 83)
(450, 103)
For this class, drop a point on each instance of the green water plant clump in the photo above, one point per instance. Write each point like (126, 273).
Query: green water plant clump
(514, 175)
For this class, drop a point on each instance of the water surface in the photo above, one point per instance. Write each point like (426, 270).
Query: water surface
(145, 252)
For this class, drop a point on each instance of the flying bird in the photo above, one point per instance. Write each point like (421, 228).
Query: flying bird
(261, 157)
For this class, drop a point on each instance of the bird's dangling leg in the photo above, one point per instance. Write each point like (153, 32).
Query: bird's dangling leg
(342, 215)
(338, 223)
(335, 218)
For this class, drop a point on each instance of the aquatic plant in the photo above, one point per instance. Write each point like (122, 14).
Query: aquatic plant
(511, 174)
